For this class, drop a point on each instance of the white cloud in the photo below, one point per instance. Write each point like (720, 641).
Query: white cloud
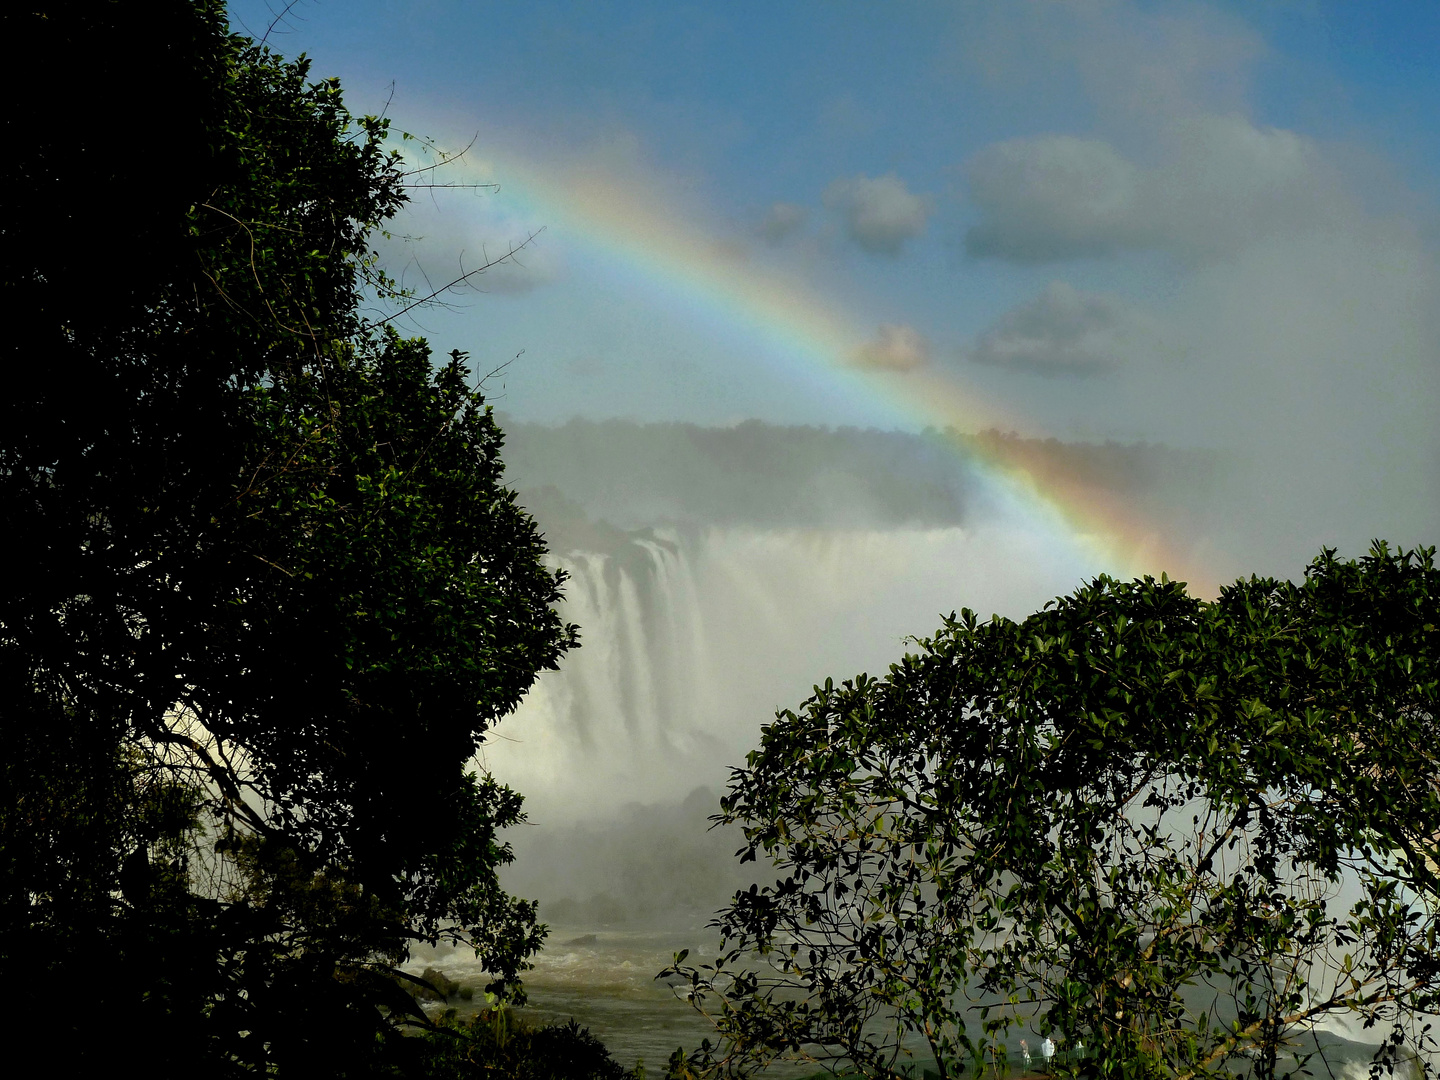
(782, 221)
(1136, 63)
(880, 213)
(1050, 197)
(1221, 184)
(895, 347)
(1063, 332)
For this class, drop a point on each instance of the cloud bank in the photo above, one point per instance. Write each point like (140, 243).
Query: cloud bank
(1221, 184)
(1061, 332)
(879, 213)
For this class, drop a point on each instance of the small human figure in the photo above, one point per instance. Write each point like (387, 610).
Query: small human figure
(1025, 1053)
(1047, 1049)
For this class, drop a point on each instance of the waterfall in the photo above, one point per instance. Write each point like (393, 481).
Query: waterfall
(693, 637)
(716, 576)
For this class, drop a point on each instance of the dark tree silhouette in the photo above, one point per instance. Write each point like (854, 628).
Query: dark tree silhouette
(266, 589)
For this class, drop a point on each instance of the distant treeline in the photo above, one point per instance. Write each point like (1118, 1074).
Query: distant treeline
(585, 480)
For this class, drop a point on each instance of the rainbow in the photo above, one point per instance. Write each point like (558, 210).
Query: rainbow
(625, 220)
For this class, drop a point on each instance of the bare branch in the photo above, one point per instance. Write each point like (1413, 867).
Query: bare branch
(467, 187)
(462, 279)
(445, 159)
(277, 20)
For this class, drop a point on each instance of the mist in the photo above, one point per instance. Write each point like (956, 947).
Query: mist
(717, 574)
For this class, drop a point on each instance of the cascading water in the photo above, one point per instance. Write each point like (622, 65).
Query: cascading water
(693, 637)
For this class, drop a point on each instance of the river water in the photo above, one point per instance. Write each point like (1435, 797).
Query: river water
(606, 981)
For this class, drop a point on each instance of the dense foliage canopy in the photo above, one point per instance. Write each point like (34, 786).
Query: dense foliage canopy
(267, 590)
(1178, 838)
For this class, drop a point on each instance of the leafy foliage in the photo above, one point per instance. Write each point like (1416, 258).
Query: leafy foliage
(1177, 834)
(268, 590)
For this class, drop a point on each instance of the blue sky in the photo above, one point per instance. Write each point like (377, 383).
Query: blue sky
(1201, 224)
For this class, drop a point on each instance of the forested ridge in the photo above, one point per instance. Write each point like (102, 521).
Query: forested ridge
(631, 474)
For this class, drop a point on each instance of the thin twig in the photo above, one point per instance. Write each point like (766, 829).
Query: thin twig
(444, 158)
(285, 11)
(462, 279)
